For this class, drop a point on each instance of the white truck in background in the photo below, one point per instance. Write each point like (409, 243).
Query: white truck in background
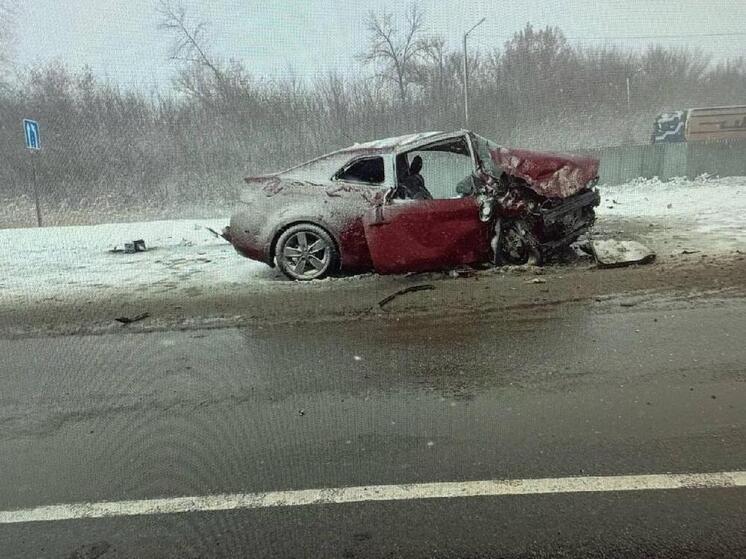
(701, 124)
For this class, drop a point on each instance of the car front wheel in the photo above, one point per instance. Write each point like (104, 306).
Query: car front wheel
(306, 252)
(519, 246)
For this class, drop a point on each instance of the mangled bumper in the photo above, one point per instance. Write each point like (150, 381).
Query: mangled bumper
(564, 223)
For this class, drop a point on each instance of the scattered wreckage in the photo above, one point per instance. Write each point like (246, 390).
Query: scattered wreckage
(415, 203)
(611, 253)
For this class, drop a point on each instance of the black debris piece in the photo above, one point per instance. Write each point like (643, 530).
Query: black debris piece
(128, 320)
(424, 287)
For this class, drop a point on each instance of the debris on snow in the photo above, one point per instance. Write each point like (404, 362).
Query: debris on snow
(612, 253)
(131, 247)
(127, 320)
(134, 246)
(223, 235)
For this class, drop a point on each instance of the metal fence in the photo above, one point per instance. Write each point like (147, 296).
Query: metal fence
(621, 164)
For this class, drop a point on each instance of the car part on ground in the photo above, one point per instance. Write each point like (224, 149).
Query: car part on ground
(131, 247)
(410, 289)
(611, 253)
(130, 320)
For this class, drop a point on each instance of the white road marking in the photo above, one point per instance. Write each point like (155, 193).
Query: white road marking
(444, 490)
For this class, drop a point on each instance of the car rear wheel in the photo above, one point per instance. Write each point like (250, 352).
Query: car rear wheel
(306, 252)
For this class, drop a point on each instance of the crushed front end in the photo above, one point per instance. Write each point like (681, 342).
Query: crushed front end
(540, 202)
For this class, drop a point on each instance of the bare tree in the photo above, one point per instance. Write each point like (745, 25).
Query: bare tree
(189, 38)
(439, 73)
(396, 51)
(8, 14)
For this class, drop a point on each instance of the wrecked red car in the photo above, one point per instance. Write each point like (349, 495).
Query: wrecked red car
(415, 203)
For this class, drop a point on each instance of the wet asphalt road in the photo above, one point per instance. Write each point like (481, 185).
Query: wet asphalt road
(585, 390)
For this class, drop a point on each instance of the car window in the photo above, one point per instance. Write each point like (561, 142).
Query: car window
(317, 170)
(369, 170)
(444, 166)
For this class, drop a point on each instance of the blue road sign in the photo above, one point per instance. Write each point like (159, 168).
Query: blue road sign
(31, 129)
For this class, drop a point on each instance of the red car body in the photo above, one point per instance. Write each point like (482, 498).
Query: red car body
(372, 231)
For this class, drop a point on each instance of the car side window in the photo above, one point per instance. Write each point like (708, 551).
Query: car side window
(368, 170)
(445, 165)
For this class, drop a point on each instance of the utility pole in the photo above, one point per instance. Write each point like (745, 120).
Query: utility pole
(466, 74)
(629, 91)
(36, 189)
(629, 100)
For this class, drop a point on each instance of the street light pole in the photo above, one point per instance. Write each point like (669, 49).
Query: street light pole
(629, 92)
(629, 100)
(466, 74)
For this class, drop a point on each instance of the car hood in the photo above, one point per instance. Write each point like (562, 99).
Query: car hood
(553, 175)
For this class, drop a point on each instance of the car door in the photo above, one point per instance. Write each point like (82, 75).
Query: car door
(426, 235)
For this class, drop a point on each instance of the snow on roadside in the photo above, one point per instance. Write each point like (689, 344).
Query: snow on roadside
(717, 200)
(710, 207)
(56, 261)
(706, 214)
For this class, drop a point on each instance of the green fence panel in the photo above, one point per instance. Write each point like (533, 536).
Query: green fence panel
(621, 164)
(722, 158)
(674, 161)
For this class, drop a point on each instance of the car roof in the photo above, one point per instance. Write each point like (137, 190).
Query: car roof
(399, 143)
(395, 144)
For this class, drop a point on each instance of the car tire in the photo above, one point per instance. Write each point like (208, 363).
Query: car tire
(306, 252)
(519, 246)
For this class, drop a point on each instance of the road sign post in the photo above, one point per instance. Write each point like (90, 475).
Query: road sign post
(36, 189)
(33, 143)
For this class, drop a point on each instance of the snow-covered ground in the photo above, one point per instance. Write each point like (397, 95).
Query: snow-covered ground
(711, 205)
(54, 261)
(707, 214)
(50, 263)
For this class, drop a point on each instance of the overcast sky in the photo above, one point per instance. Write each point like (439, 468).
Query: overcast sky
(120, 38)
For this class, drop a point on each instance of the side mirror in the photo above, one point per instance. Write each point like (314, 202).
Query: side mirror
(467, 186)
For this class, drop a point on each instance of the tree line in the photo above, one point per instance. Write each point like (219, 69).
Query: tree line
(218, 122)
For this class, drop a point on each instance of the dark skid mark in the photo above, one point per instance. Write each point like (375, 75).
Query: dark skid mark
(90, 551)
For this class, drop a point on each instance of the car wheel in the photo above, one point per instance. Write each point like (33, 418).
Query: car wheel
(306, 252)
(519, 246)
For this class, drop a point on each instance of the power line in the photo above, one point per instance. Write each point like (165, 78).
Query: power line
(628, 37)
(683, 36)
